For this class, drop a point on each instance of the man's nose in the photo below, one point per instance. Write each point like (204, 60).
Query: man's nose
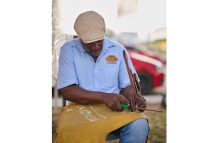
(96, 45)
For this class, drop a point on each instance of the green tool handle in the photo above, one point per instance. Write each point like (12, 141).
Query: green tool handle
(125, 106)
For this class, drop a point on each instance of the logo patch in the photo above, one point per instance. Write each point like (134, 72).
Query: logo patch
(111, 59)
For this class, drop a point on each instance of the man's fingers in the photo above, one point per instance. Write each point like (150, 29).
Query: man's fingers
(118, 106)
(111, 105)
(142, 102)
(123, 99)
(114, 108)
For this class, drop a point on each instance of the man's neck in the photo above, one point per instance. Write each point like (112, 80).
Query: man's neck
(95, 58)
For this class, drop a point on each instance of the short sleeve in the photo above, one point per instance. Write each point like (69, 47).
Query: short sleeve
(66, 69)
(123, 73)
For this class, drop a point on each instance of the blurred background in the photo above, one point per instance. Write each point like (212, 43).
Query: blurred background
(140, 25)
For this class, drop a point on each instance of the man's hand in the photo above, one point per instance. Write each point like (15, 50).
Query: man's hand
(113, 100)
(141, 102)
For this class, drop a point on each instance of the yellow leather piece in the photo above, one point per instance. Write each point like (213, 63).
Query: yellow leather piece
(91, 123)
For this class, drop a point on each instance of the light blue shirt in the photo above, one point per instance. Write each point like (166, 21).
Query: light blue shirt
(108, 74)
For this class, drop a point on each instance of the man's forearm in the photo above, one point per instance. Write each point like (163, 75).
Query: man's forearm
(79, 95)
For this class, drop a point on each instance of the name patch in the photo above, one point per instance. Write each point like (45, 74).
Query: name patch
(111, 59)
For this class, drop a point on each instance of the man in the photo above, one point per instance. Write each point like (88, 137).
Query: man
(92, 70)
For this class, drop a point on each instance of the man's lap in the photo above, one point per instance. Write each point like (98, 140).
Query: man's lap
(136, 131)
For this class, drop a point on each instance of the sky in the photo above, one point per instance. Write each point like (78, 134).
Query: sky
(151, 15)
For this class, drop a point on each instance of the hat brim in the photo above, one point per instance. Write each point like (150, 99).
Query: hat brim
(92, 40)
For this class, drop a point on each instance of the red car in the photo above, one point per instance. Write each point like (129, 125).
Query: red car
(149, 69)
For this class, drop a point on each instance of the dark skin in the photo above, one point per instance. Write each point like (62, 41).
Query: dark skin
(93, 48)
(79, 95)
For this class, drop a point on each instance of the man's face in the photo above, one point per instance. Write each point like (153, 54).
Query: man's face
(94, 48)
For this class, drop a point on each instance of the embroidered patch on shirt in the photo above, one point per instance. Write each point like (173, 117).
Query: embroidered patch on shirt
(111, 59)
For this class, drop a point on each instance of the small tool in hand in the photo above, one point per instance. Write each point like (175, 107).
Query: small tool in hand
(125, 106)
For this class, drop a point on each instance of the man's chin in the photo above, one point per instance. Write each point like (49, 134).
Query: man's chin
(95, 54)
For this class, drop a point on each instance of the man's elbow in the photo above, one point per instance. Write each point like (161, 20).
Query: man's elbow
(63, 92)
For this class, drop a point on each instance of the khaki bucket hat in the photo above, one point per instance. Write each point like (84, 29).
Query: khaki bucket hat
(90, 26)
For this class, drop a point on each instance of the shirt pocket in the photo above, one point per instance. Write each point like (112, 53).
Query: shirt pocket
(109, 76)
